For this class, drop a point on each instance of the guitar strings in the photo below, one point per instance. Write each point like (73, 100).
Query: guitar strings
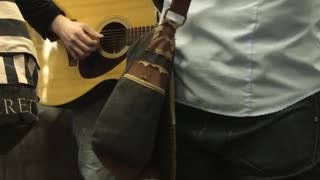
(149, 28)
(123, 32)
(134, 28)
(109, 32)
(119, 35)
(122, 37)
(116, 39)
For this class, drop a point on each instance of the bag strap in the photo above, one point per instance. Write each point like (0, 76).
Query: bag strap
(177, 11)
(175, 16)
(180, 6)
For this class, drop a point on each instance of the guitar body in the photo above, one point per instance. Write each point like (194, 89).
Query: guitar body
(61, 79)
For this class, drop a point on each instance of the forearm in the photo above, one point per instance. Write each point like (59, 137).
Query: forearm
(39, 14)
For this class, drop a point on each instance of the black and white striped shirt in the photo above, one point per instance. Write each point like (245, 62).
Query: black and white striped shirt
(17, 53)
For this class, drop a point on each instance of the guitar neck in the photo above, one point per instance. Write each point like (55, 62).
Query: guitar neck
(133, 34)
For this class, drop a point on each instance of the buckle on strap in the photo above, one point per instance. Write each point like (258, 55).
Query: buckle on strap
(178, 19)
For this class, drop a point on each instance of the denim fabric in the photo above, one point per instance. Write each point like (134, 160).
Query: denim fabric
(89, 165)
(282, 145)
(84, 114)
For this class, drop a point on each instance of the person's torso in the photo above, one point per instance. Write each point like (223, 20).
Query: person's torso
(248, 57)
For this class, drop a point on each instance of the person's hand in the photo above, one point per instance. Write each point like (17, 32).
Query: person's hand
(79, 39)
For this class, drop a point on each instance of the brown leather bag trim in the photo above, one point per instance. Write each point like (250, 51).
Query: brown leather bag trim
(151, 73)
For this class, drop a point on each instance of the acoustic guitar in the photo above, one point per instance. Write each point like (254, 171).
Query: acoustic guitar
(61, 79)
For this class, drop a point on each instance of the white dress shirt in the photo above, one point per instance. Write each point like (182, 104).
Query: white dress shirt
(248, 57)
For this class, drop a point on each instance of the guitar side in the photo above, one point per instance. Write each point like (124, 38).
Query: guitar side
(60, 83)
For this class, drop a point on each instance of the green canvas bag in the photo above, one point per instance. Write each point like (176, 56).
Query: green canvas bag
(129, 129)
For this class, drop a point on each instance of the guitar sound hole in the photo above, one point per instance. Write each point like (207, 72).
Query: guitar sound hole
(114, 39)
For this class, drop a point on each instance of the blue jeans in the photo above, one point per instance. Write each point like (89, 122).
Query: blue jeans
(84, 115)
(89, 165)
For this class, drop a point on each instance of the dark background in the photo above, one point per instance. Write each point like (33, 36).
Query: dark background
(48, 152)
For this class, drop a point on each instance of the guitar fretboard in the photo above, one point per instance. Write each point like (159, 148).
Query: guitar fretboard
(133, 34)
